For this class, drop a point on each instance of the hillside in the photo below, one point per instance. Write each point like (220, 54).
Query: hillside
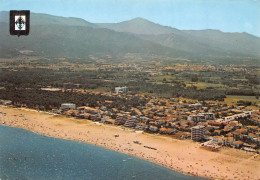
(76, 41)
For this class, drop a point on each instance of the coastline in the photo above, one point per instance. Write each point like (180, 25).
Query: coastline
(183, 156)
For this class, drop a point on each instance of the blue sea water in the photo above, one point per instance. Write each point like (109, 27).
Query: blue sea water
(27, 155)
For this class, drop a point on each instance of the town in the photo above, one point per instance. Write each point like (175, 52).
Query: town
(212, 124)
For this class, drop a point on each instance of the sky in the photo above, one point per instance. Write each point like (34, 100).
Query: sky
(224, 15)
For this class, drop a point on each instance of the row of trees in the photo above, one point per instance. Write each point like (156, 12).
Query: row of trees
(47, 100)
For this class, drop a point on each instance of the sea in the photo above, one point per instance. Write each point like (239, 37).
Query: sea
(26, 155)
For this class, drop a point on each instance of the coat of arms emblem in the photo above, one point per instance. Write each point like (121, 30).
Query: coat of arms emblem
(19, 22)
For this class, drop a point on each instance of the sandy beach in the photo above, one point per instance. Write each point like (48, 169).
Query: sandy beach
(182, 155)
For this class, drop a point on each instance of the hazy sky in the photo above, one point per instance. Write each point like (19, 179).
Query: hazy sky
(225, 15)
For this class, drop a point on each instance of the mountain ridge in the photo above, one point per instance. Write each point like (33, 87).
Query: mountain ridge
(76, 37)
(77, 41)
(137, 26)
(209, 41)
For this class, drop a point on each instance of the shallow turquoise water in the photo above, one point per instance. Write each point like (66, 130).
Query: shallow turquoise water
(27, 155)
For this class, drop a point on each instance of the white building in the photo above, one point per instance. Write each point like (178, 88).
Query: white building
(196, 105)
(233, 117)
(5, 102)
(119, 90)
(67, 106)
(196, 118)
(201, 117)
(208, 116)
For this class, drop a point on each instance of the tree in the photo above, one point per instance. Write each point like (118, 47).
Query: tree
(194, 78)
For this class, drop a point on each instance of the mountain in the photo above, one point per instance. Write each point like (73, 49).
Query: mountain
(204, 43)
(74, 37)
(78, 41)
(139, 26)
(54, 36)
(210, 43)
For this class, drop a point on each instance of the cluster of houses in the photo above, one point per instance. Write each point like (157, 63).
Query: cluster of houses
(219, 123)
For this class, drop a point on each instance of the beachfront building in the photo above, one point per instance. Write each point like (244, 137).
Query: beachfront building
(227, 141)
(237, 144)
(90, 110)
(141, 126)
(153, 128)
(5, 102)
(166, 131)
(67, 106)
(119, 90)
(121, 119)
(197, 133)
(130, 122)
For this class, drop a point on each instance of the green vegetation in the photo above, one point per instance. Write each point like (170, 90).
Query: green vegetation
(209, 85)
(242, 100)
(47, 100)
